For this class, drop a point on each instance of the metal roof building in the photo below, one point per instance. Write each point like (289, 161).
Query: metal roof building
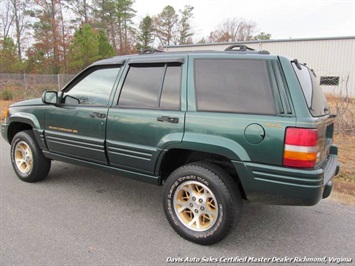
(333, 59)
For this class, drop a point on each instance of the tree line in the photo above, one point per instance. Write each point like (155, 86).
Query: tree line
(65, 36)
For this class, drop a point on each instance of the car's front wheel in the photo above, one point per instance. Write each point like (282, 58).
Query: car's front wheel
(201, 202)
(27, 158)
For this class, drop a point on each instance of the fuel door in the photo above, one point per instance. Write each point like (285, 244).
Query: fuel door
(254, 133)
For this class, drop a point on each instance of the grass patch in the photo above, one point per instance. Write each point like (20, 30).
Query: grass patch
(343, 192)
(346, 145)
(7, 95)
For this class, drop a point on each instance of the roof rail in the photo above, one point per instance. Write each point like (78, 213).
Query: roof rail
(243, 48)
(150, 51)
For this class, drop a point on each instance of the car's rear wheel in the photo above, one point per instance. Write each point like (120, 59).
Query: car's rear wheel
(27, 158)
(201, 202)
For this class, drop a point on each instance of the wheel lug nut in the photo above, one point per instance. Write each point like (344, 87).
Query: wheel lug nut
(191, 205)
(196, 210)
(202, 208)
(200, 200)
(193, 198)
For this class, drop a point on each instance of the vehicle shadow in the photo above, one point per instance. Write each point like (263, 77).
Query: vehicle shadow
(260, 225)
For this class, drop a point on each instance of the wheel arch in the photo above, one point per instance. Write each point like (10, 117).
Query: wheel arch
(16, 127)
(20, 122)
(176, 157)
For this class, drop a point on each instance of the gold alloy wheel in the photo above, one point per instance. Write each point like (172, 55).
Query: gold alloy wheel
(23, 157)
(195, 205)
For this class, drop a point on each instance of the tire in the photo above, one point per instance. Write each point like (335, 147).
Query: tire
(202, 202)
(27, 158)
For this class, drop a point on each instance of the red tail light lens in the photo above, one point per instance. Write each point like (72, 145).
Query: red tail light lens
(301, 148)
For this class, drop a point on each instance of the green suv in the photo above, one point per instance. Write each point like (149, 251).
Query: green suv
(212, 127)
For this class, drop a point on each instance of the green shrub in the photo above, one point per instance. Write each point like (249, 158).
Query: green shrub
(7, 95)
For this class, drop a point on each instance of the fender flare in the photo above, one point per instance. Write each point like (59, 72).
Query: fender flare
(209, 144)
(31, 120)
(25, 118)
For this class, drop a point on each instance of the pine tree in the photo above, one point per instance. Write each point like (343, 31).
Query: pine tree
(105, 48)
(166, 26)
(10, 61)
(146, 35)
(185, 27)
(84, 49)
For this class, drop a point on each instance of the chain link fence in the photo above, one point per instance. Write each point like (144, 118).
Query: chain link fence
(24, 86)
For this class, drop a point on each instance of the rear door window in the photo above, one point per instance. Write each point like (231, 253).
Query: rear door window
(233, 85)
(142, 86)
(152, 86)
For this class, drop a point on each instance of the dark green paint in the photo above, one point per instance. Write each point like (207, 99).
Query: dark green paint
(134, 142)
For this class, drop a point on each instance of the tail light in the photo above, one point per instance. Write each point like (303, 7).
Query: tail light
(301, 148)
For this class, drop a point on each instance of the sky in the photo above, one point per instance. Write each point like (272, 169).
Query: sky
(283, 19)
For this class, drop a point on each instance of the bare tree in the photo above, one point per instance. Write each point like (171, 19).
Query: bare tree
(233, 30)
(6, 19)
(82, 9)
(19, 11)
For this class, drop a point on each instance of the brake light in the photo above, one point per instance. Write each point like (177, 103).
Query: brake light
(301, 148)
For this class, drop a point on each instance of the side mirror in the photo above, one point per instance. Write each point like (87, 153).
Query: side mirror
(50, 97)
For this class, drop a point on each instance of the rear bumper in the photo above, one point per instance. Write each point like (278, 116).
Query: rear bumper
(287, 186)
(329, 171)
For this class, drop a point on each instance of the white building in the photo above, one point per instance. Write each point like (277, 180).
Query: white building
(332, 59)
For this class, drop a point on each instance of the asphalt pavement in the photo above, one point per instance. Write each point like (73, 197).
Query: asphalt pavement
(80, 216)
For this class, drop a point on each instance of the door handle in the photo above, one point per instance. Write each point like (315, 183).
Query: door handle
(98, 115)
(169, 119)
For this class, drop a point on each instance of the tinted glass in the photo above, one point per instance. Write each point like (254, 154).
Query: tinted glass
(93, 89)
(170, 98)
(142, 87)
(314, 95)
(233, 85)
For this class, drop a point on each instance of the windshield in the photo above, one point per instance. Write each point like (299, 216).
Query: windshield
(316, 101)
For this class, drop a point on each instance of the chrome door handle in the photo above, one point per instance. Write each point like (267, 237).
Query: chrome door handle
(169, 119)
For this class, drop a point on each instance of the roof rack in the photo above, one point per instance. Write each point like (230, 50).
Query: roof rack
(150, 51)
(244, 48)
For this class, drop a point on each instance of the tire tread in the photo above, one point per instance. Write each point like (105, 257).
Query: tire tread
(227, 187)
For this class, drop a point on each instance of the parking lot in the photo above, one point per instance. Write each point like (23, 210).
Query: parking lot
(79, 216)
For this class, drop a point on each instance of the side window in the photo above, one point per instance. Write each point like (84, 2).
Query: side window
(312, 91)
(233, 85)
(152, 87)
(142, 86)
(170, 97)
(93, 89)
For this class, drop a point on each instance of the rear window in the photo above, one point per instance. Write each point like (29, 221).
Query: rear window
(313, 93)
(233, 85)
